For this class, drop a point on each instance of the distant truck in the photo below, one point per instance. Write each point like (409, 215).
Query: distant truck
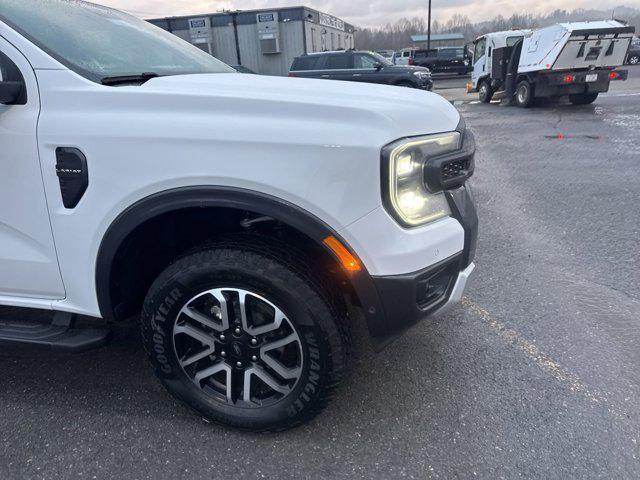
(577, 60)
(437, 60)
(388, 54)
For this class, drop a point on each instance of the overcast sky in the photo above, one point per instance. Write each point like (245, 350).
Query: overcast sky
(366, 12)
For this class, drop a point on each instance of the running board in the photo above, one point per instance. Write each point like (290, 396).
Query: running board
(60, 335)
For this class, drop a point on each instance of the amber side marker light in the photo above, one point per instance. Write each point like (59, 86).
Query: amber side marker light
(348, 261)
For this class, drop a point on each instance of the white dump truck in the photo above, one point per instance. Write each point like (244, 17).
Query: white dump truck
(577, 60)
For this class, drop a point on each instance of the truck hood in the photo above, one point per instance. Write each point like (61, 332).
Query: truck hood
(396, 112)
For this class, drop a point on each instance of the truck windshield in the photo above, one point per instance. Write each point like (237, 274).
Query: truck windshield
(99, 42)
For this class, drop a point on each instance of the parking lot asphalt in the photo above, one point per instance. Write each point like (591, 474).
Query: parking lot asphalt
(535, 375)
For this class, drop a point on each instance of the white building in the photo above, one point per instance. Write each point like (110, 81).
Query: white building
(266, 41)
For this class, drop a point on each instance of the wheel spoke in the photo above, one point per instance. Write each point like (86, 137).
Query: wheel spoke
(236, 390)
(198, 356)
(263, 375)
(195, 333)
(261, 330)
(202, 319)
(285, 372)
(224, 308)
(283, 342)
(217, 368)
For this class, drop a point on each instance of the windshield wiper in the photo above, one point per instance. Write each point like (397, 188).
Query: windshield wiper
(124, 79)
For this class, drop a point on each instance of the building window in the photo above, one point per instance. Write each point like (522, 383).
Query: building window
(333, 39)
(313, 40)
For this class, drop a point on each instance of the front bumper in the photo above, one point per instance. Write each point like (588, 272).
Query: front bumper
(426, 85)
(458, 290)
(400, 301)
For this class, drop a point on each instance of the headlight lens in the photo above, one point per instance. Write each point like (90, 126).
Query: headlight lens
(409, 198)
(422, 75)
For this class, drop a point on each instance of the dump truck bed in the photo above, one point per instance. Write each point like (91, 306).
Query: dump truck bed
(576, 46)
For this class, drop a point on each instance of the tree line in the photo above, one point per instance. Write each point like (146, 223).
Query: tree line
(398, 35)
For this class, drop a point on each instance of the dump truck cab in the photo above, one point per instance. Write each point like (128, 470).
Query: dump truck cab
(483, 50)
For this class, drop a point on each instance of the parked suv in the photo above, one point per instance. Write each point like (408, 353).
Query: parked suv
(243, 220)
(437, 60)
(360, 66)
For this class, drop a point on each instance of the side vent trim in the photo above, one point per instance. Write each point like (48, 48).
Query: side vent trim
(73, 174)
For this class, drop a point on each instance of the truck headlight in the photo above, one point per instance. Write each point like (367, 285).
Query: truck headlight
(407, 197)
(422, 75)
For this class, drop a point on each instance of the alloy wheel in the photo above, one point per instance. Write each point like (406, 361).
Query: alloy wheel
(238, 347)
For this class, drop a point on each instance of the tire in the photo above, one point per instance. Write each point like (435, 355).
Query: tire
(634, 60)
(484, 92)
(583, 98)
(524, 94)
(290, 382)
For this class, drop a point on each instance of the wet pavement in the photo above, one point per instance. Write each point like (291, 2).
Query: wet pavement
(536, 375)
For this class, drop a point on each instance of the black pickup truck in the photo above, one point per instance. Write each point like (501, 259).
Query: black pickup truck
(360, 66)
(443, 60)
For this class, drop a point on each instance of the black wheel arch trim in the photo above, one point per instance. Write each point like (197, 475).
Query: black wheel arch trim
(237, 198)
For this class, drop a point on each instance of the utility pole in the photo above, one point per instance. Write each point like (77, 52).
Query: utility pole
(429, 28)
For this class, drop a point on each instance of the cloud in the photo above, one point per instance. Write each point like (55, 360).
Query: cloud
(364, 12)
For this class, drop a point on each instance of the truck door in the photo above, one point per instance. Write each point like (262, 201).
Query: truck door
(364, 69)
(479, 61)
(337, 67)
(28, 261)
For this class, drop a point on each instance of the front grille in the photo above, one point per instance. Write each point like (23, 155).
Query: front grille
(452, 169)
(455, 169)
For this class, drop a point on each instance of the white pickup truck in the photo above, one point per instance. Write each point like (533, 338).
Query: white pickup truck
(241, 218)
(577, 60)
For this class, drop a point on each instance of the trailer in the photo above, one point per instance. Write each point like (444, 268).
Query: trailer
(575, 60)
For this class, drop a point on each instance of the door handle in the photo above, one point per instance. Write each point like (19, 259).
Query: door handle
(357, 74)
(325, 76)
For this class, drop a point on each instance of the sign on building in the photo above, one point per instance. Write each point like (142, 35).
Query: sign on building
(268, 32)
(331, 21)
(200, 30)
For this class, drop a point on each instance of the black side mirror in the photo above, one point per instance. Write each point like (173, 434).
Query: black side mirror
(12, 93)
(378, 66)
